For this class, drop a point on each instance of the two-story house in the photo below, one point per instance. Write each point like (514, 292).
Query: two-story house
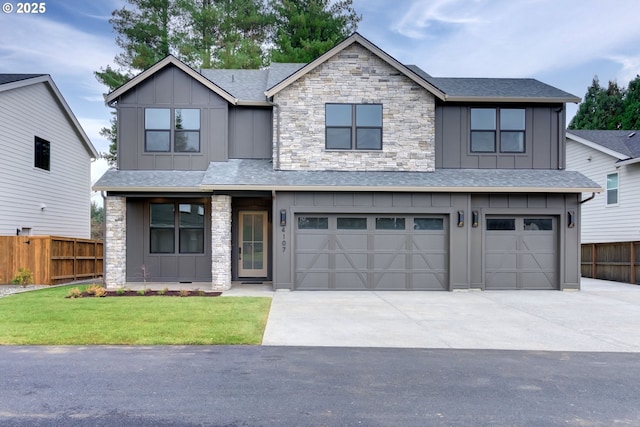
(45, 184)
(352, 172)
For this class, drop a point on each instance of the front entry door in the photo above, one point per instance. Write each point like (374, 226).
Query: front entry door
(252, 250)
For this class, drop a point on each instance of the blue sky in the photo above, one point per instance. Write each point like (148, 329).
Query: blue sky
(560, 42)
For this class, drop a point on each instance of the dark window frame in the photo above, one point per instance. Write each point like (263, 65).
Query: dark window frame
(499, 129)
(42, 153)
(353, 127)
(173, 131)
(177, 227)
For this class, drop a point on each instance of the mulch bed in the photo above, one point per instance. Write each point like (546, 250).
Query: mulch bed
(152, 293)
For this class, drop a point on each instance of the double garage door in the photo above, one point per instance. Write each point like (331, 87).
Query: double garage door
(371, 252)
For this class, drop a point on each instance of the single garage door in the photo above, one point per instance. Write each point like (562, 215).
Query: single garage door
(371, 252)
(521, 252)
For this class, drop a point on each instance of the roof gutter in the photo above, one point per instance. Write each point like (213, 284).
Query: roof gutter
(412, 189)
(628, 162)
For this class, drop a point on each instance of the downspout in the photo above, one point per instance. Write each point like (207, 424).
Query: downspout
(561, 138)
(593, 195)
(276, 165)
(104, 238)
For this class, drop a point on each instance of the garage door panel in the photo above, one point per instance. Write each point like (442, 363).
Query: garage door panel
(350, 242)
(351, 281)
(312, 280)
(423, 280)
(537, 280)
(391, 280)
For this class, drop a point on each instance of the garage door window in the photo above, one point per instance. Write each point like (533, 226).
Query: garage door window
(352, 224)
(505, 224)
(313, 223)
(428, 224)
(538, 224)
(390, 224)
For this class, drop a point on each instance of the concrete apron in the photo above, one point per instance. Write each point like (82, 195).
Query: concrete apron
(603, 317)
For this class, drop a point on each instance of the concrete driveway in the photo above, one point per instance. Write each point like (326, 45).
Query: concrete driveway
(603, 316)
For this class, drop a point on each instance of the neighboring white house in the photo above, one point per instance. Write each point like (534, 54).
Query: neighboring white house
(612, 159)
(45, 184)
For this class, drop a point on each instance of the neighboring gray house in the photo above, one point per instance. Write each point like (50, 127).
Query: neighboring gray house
(352, 172)
(612, 159)
(46, 161)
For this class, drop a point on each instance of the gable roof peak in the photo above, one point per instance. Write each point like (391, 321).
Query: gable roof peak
(365, 43)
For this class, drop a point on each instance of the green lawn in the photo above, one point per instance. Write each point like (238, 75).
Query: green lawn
(46, 317)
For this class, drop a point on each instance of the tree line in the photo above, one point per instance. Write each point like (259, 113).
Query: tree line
(235, 34)
(609, 108)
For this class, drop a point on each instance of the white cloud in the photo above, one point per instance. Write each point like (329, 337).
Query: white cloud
(31, 44)
(516, 38)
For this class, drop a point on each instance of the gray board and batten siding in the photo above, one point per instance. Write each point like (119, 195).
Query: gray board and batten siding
(544, 139)
(142, 265)
(250, 132)
(449, 256)
(171, 88)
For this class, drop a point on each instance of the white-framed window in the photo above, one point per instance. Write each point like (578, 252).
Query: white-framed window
(613, 185)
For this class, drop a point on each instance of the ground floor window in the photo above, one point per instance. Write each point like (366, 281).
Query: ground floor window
(176, 222)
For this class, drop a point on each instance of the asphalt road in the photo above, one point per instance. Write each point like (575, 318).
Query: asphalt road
(310, 386)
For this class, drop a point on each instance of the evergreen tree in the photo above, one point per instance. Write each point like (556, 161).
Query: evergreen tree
(305, 29)
(631, 115)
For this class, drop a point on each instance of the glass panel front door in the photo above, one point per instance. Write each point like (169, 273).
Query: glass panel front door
(252, 249)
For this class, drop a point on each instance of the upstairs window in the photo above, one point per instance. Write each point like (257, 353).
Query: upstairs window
(612, 189)
(42, 154)
(353, 126)
(176, 130)
(497, 130)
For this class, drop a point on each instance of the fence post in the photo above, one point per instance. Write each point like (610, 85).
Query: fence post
(632, 263)
(593, 261)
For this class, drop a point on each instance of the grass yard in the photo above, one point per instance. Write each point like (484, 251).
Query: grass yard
(46, 317)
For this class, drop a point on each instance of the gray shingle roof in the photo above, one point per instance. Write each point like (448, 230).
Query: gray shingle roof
(250, 85)
(246, 85)
(493, 87)
(259, 174)
(10, 78)
(114, 180)
(625, 142)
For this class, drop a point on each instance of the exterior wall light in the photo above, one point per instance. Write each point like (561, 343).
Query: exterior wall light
(460, 218)
(571, 219)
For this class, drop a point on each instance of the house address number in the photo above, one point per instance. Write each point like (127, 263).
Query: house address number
(284, 239)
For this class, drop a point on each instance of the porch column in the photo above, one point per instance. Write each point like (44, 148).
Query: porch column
(116, 241)
(221, 242)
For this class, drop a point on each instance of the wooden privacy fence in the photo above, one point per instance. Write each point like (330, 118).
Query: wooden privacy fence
(619, 261)
(51, 259)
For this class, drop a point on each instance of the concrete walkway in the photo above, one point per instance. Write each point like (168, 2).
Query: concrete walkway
(603, 316)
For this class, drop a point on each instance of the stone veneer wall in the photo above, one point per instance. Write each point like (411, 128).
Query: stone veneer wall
(116, 241)
(221, 242)
(356, 75)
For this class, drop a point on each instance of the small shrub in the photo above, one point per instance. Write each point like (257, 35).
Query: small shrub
(96, 290)
(201, 292)
(120, 291)
(185, 292)
(75, 293)
(161, 292)
(141, 292)
(23, 278)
